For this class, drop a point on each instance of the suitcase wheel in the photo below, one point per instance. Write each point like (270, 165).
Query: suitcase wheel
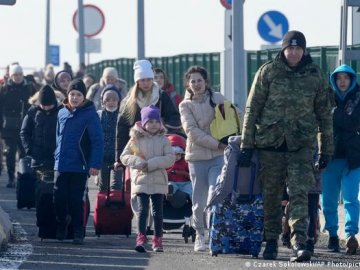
(128, 231)
(97, 232)
(214, 253)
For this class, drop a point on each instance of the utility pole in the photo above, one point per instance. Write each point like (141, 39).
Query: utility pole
(47, 33)
(239, 87)
(81, 32)
(355, 25)
(346, 55)
(140, 30)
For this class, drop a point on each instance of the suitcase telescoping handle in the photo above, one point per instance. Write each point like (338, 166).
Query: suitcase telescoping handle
(111, 167)
(252, 179)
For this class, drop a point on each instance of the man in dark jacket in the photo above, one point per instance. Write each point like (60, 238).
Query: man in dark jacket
(287, 108)
(14, 97)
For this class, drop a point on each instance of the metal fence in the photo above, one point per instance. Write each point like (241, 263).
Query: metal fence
(175, 66)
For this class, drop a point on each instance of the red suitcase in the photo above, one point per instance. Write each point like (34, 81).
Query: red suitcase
(112, 213)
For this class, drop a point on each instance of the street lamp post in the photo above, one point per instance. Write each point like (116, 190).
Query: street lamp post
(140, 30)
(81, 32)
(47, 33)
(239, 91)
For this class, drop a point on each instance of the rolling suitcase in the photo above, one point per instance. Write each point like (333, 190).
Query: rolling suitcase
(26, 183)
(45, 211)
(112, 213)
(237, 223)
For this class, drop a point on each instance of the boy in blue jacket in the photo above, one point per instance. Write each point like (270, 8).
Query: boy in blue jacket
(343, 172)
(78, 154)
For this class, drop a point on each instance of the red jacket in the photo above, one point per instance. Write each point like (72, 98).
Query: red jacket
(179, 172)
(175, 97)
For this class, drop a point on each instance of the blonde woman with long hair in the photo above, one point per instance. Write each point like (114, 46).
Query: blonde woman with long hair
(143, 93)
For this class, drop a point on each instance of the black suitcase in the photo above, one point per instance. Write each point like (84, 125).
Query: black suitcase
(26, 184)
(45, 212)
(25, 190)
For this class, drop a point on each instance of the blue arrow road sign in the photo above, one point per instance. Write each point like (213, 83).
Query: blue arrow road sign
(272, 26)
(54, 55)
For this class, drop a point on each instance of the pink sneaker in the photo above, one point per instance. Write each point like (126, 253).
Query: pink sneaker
(157, 244)
(140, 242)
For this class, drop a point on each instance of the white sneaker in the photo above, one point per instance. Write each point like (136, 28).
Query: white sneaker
(199, 243)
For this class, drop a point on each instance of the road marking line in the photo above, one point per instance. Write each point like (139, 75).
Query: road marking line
(18, 250)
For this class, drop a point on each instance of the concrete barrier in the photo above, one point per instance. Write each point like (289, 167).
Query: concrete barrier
(6, 229)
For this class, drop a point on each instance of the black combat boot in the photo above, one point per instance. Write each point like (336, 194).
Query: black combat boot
(271, 250)
(285, 238)
(301, 254)
(333, 244)
(310, 246)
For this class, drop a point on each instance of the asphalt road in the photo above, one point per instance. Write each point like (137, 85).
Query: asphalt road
(27, 251)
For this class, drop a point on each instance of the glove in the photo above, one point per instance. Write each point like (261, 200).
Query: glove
(322, 161)
(244, 158)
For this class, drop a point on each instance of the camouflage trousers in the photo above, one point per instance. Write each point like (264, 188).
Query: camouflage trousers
(296, 169)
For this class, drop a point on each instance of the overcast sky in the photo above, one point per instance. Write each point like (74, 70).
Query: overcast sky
(172, 27)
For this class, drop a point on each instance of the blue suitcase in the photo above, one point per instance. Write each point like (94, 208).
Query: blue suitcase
(237, 223)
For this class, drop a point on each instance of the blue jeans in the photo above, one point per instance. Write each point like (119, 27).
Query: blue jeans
(337, 177)
(182, 186)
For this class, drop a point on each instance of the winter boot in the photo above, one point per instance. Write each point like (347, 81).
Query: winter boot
(301, 254)
(271, 250)
(333, 244)
(351, 245)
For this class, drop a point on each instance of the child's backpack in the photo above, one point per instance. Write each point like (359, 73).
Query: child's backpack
(226, 122)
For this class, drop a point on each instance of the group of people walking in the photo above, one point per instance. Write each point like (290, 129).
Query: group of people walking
(291, 114)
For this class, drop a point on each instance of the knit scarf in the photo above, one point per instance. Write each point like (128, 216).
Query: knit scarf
(147, 100)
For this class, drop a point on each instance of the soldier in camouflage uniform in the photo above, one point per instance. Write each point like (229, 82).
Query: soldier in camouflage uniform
(287, 109)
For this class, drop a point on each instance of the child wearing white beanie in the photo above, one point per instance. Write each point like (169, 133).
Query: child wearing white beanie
(143, 70)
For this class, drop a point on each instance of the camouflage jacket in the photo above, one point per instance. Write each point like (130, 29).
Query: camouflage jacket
(288, 105)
